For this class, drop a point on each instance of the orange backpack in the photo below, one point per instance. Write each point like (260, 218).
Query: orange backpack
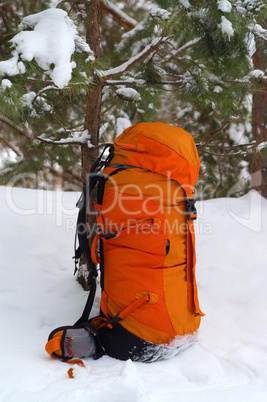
(145, 245)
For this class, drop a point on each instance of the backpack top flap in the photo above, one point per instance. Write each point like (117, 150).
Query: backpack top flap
(161, 148)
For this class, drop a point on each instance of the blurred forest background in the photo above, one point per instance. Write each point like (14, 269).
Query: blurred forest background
(197, 65)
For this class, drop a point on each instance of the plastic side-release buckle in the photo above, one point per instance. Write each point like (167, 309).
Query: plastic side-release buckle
(111, 322)
(191, 211)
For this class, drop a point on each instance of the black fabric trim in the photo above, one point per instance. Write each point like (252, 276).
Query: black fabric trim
(94, 179)
(123, 345)
(102, 263)
(89, 303)
(99, 163)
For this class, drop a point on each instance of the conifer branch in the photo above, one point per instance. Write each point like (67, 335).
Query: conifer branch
(68, 176)
(46, 89)
(212, 135)
(142, 82)
(118, 15)
(12, 125)
(248, 145)
(9, 145)
(224, 154)
(113, 72)
(63, 141)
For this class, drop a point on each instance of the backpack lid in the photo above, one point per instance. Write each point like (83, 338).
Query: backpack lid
(161, 148)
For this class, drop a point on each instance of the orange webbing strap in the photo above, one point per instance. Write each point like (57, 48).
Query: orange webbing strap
(134, 306)
(53, 345)
(125, 312)
(130, 147)
(192, 297)
(79, 362)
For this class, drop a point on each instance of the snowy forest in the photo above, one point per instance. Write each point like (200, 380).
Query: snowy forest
(75, 74)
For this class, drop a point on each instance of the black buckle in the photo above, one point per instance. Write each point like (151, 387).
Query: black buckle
(191, 211)
(113, 321)
(99, 163)
(108, 235)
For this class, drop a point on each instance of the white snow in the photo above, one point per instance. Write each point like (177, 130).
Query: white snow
(6, 84)
(217, 89)
(121, 124)
(224, 5)
(28, 100)
(185, 3)
(121, 13)
(129, 94)
(261, 146)
(123, 67)
(138, 28)
(12, 66)
(160, 13)
(226, 27)
(39, 293)
(257, 73)
(80, 139)
(52, 40)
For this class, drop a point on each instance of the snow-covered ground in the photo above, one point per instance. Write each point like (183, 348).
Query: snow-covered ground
(39, 293)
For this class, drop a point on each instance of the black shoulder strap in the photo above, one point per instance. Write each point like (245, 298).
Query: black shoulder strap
(94, 179)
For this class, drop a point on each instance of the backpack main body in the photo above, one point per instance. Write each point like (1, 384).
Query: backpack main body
(147, 237)
(145, 246)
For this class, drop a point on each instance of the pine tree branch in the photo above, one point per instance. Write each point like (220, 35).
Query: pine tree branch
(212, 135)
(248, 145)
(223, 154)
(188, 45)
(141, 82)
(14, 127)
(68, 176)
(113, 72)
(63, 141)
(9, 145)
(107, 7)
(46, 89)
(118, 15)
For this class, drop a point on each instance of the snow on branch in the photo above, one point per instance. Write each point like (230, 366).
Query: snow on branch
(188, 45)
(52, 40)
(140, 82)
(82, 139)
(258, 31)
(261, 146)
(156, 42)
(119, 15)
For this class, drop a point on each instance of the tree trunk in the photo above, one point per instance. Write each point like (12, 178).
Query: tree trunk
(93, 105)
(259, 122)
(92, 122)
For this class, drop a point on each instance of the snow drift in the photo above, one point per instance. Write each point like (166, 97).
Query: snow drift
(39, 293)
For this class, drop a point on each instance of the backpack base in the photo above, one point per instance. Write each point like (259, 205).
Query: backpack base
(123, 345)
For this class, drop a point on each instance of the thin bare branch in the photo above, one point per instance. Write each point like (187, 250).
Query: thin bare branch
(248, 145)
(9, 145)
(224, 154)
(46, 89)
(68, 176)
(12, 125)
(118, 15)
(212, 135)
